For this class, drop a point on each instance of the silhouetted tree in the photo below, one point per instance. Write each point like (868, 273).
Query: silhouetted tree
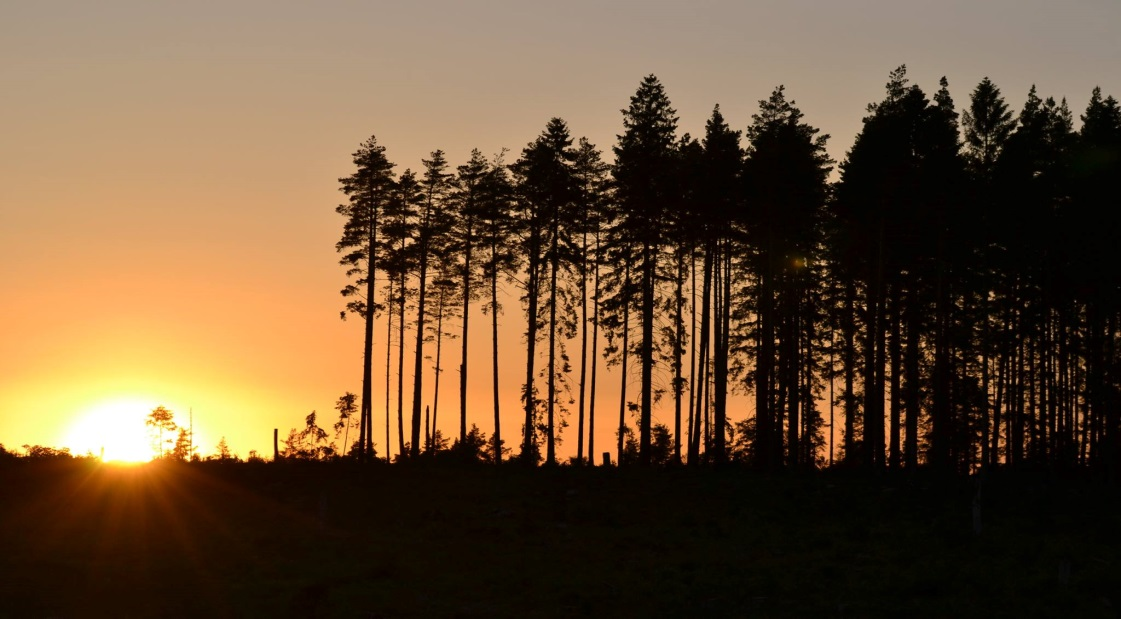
(496, 222)
(181, 451)
(469, 203)
(645, 189)
(715, 202)
(545, 193)
(430, 229)
(399, 261)
(308, 443)
(785, 173)
(222, 451)
(346, 408)
(160, 420)
(367, 189)
(591, 212)
(1096, 168)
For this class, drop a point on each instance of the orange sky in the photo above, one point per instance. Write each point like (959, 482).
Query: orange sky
(168, 173)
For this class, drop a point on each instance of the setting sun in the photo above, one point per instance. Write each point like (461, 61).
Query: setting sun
(118, 427)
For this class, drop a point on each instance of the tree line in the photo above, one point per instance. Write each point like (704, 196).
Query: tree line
(949, 299)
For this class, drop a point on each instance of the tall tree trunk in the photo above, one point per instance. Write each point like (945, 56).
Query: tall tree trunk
(365, 419)
(647, 351)
(941, 413)
(848, 328)
(764, 362)
(894, 455)
(692, 351)
(583, 344)
(595, 360)
(678, 353)
(793, 372)
(873, 396)
(879, 447)
(1016, 431)
(401, 369)
(467, 266)
(440, 302)
(720, 372)
(418, 359)
(623, 366)
(388, 364)
(986, 413)
(529, 444)
(912, 378)
(999, 403)
(706, 313)
(494, 354)
(832, 380)
(554, 259)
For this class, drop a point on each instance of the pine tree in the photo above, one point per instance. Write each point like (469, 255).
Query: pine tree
(546, 192)
(369, 189)
(987, 124)
(431, 231)
(468, 202)
(399, 261)
(496, 227)
(590, 173)
(785, 174)
(645, 160)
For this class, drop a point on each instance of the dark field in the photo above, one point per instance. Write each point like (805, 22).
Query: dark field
(252, 540)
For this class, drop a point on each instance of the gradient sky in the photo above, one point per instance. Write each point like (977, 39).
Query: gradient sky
(168, 170)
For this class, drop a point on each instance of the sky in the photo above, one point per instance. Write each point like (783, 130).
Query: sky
(169, 170)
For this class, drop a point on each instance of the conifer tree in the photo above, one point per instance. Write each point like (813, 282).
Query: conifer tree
(590, 174)
(546, 193)
(368, 190)
(496, 234)
(785, 174)
(400, 260)
(431, 231)
(469, 201)
(645, 160)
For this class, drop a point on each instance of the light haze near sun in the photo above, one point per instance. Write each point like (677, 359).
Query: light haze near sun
(168, 171)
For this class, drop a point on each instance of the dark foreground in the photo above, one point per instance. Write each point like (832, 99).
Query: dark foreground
(252, 540)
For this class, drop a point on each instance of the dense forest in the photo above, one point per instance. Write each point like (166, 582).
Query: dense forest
(946, 297)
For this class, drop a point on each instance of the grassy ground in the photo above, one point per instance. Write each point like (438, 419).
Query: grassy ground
(242, 540)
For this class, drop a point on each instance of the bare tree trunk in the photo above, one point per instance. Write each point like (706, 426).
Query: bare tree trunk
(401, 370)
(365, 418)
(706, 304)
(529, 446)
(623, 365)
(440, 302)
(894, 455)
(494, 356)
(418, 358)
(554, 259)
(678, 352)
(692, 350)
(388, 365)
(467, 250)
(849, 334)
(720, 372)
(764, 362)
(911, 395)
(583, 344)
(649, 260)
(790, 368)
(595, 361)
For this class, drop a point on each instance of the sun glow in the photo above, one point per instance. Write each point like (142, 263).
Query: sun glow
(114, 430)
